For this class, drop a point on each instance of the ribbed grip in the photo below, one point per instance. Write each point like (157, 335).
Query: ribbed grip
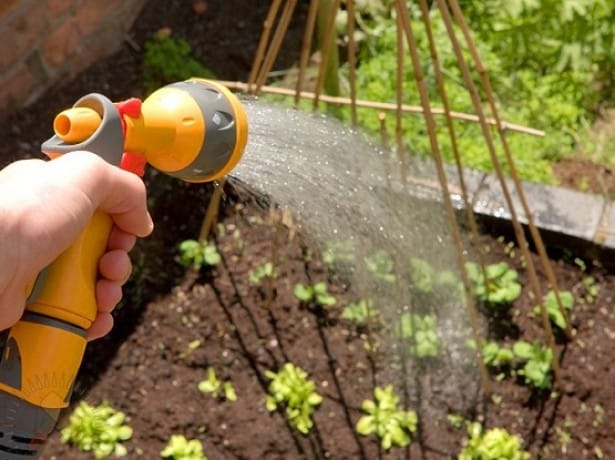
(23, 428)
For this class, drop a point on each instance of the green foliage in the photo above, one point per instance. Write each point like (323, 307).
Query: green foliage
(98, 429)
(179, 448)
(495, 355)
(501, 287)
(545, 60)
(553, 311)
(317, 292)
(538, 359)
(258, 274)
(339, 253)
(169, 59)
(420, 332)
(359, 312)
(380, 265)
(494, 444)
(196, 254)
(421, 275)
(212, 385)
(392, 426)
(291, 389)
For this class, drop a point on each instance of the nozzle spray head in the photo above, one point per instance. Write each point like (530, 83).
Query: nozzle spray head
(195, 130)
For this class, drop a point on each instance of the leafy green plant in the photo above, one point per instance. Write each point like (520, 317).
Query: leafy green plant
(198, 254)
(422, 275)
(258, 274)
(339, 253)
(380, 265)
(291, 389)
(538, 359)
(392, 426)
(212, 385)
(553, 311)
(169, 59)
(495, 355)
(98, 429)
(420, 332)
(501, 286)
(493, 444)
(180, 448)
(317, 292)
(359, 312)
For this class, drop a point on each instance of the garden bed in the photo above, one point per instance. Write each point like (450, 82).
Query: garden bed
(151, 364)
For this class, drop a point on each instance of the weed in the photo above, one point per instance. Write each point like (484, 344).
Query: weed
(98, 429)
(392, 426)
(291, 389)
(169, 59)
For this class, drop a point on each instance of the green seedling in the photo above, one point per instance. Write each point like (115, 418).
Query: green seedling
(501, 287)
(359, 312)
(422, 275)
(317, 292)
(98, 429)
(291, 389)
(380, 265)
(339, 253)
(392, 426)
(179, 448)
(553, 311)
(420, 331)
(258, 274)
(591, 289)
(494, 444)
(537, 359)
(495, 355)
(212, 385)
(196, 254)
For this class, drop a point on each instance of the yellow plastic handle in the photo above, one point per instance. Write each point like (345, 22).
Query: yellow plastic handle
(67, 290)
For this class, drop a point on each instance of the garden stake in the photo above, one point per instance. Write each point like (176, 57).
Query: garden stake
(194, 130)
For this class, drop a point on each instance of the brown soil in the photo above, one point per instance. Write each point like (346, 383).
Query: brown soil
(146, 368)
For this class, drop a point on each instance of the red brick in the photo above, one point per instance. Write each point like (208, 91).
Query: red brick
(20, 35)
(15, 88)
(6, 6)
(57, 7)
(93, 13)
(62, 43)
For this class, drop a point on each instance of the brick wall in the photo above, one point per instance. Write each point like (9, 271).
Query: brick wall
(44, 40)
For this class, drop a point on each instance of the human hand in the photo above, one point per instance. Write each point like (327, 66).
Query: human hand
(45, 205)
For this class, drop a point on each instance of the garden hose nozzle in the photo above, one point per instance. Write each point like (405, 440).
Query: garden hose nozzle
(195, 130)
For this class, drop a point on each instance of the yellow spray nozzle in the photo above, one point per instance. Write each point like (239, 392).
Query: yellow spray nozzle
(77, 124)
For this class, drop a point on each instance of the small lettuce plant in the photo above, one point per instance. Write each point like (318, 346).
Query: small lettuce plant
(180, 448)
(381, 266)
(383, 418)
(553, 311)
(493, 444)
(290, 388)
(258, 274)
(98, 429)
(197, 254)
(501, 287)
(317, 292)
(212, 385)
(420, 332)
(359, 312)
(422, 275)
(538, 359)
(495, 355)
